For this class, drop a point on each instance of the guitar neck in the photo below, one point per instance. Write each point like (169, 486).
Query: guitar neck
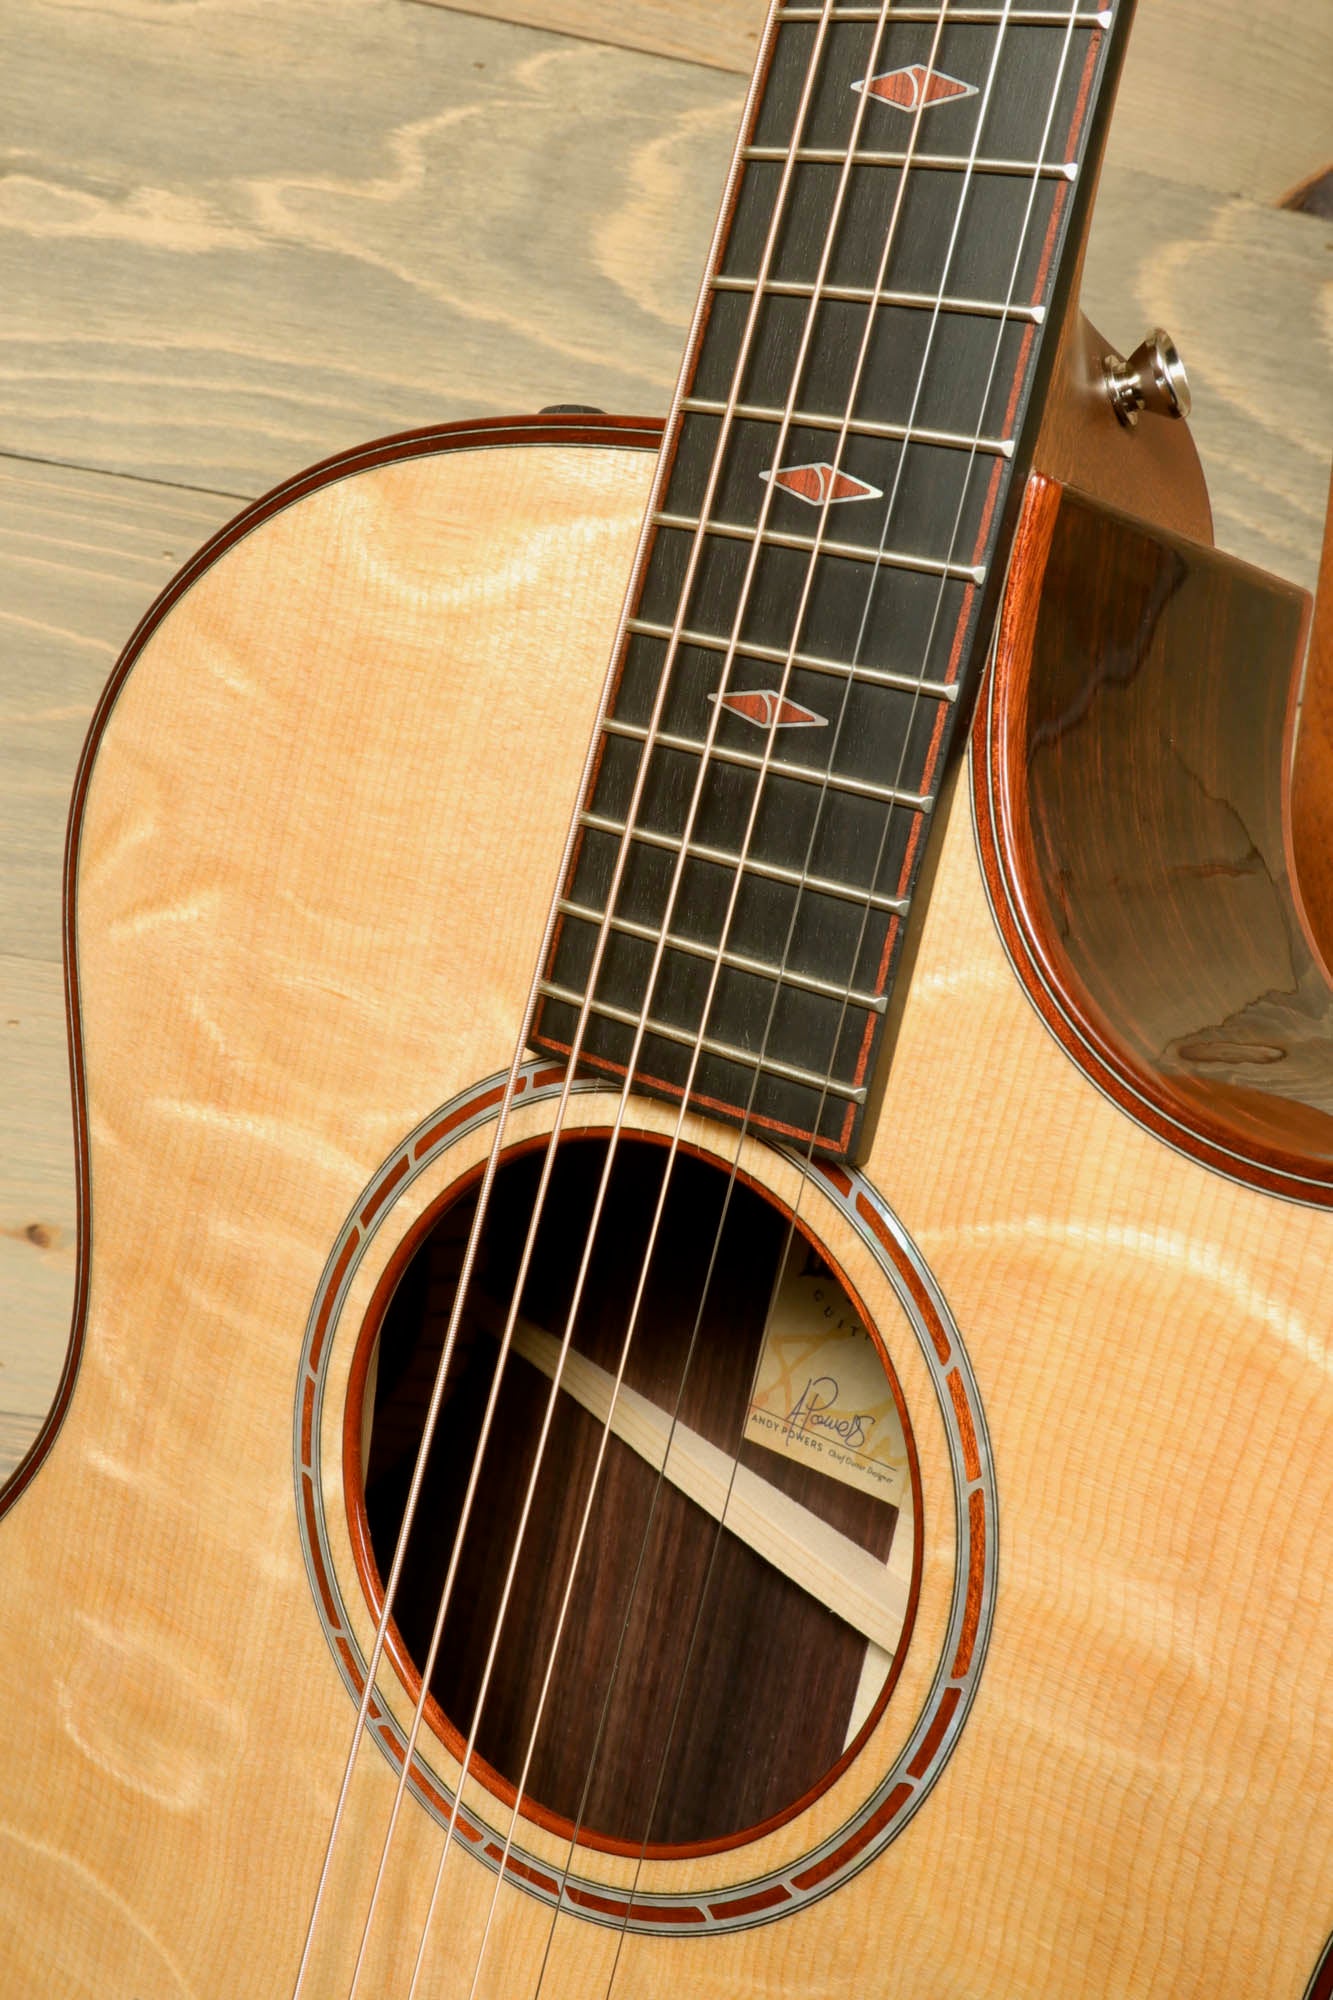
(826, 543)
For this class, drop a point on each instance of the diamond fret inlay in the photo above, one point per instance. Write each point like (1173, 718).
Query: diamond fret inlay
(820, 482)
(747, 886)
(766, 708)
(911, 88)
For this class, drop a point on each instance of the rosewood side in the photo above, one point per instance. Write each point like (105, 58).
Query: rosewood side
(1133, 809)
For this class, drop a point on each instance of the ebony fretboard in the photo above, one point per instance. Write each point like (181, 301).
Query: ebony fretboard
(829, 529)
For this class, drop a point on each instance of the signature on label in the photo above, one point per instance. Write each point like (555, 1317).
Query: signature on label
(811, 1411)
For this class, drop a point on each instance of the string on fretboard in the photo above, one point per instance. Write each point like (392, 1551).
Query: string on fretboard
(883, 521)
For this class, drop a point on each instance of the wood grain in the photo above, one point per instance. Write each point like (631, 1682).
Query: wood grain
(723, 34)
(323, 228)
(829, 1565)
(1185, 56)
(436, 216)
(235, 239)
(81, 555)
(1150, 1336)
(1189, 58)
(1161, 943)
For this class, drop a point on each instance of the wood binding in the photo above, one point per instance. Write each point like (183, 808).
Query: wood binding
(828, 1094)
(1155, 1624)
(1131, 808)
(551, 427)
(828, 1673)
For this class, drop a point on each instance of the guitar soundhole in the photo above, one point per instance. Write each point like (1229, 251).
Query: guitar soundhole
(682, 1690)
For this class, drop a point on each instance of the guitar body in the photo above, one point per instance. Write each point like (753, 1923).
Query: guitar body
(314, 849)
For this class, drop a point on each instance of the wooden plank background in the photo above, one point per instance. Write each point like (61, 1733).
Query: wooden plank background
(235, 238)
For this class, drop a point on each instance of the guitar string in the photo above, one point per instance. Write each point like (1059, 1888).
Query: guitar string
(418, 1473)
(617, 1379)
(953, 539)
(909, 435)
(588, 1244)
(1024, 240)
(824, 516)
(506, 1105)
(510, 1091)
(504, 1108)
(972, 455)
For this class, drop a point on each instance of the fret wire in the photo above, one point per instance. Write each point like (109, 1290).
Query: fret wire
(699, 539)
(866, 295)
(805, 982)
(677, 633)
(1065, 170)
(941, 305)
(814, 294)
(1007, 20)
(771, 1065)
(814, 663)
(675, 421)
(775, 538)
(581, 1019)
(767, 871)
(986, 17)
(704, 406)
(751, 760)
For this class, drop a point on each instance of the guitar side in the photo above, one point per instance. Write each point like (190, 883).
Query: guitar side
(312, 867)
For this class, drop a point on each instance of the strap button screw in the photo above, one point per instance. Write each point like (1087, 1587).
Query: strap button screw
(1152, 379)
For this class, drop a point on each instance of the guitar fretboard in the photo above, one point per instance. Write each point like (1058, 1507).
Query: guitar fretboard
(827, 536)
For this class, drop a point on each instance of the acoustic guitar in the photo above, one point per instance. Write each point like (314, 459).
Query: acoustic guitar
(700, 1365)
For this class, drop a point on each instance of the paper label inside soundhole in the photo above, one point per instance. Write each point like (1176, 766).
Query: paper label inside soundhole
(821, 1393)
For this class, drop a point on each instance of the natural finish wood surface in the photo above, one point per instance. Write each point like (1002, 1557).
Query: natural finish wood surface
(724, 34)
(330, 224)
(235, 239)
(829, 1565)
(1149, 1337)
(82, 555)
(1185, 58)
(427, 215)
